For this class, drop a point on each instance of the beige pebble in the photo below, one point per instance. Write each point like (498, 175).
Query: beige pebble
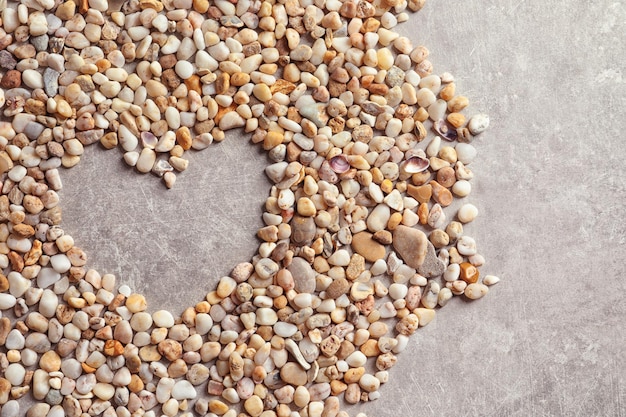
(475, 291)
(136, 303)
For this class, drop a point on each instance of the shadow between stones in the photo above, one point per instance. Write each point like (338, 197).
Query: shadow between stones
(172, 246)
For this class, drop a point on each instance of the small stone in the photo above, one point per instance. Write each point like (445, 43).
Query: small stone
(218, 407)
(11, 408)
(163, 318)
(337, 288)
(468, 273)
(465, 153)
(293, 374)
(441, 194)
(475, 291)
(7, 301)
(146, 160)
(491, 280)
(231, 120)
(5, 390)
(408, 325)
(12, 79)
(306, 207)
(478, 124)
(183, 390)
(7, 61)
(303, 275)
(254, 404)
(466, 246)
(369, 383)
(467, 213)
(411, 244)
(303, 230)
(136, 303)
(364, 244)
(50, 361)
(266, 268)
(425, 315)
(340, 257)
(432, 266)
(15, 374)
(378, 218)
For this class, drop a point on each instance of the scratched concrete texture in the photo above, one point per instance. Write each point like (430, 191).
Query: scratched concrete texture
(549, 339)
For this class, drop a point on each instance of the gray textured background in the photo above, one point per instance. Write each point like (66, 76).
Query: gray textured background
(549, 339)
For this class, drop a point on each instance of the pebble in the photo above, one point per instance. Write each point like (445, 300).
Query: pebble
(478, 124)
(10, 409)
(466, 246)
(467, 213)
(7, 301)
(475, 291)
(163, 318)
(465, 152)
(364, 244)
(411, 244)
(378, 218)
(303, 275)
(462, 188)
(183, 390)
(491, 280)
(432, 265)
(293, 374)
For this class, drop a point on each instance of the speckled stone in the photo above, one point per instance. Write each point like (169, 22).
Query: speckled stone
(303, 275)
(411, 244)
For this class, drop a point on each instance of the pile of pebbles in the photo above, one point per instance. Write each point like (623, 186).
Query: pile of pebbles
(368, 150)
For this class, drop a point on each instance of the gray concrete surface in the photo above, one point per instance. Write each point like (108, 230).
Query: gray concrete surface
(549, 339)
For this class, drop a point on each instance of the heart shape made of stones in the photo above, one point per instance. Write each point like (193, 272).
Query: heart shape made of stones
(368, 150)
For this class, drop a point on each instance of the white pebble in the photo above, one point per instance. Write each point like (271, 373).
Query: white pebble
(476, 291)
(184, 69)
(7, 301)
(60, 263)
(398, 291)
(163, 318)
(462, 188)
(466, 246)
(478, 124)
(15, 374)
(452, 272)
(465, 152)
(467, 213)
(491, 280)
(183, 390)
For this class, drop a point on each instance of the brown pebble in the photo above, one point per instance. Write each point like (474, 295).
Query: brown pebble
(303, 230)
(370, 348)
(4, 285)
(355, 267)
(446, 176)
(5, 329)
(383, 237)
(441, 194)
(171, 349)
(12, 79)
(364, 244)
(411, 244)
(352, 394)
(293, 374)
(337, 288)
(469, 273)
(353, 375)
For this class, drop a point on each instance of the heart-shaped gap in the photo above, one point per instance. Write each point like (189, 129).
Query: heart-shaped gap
(170, 245)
